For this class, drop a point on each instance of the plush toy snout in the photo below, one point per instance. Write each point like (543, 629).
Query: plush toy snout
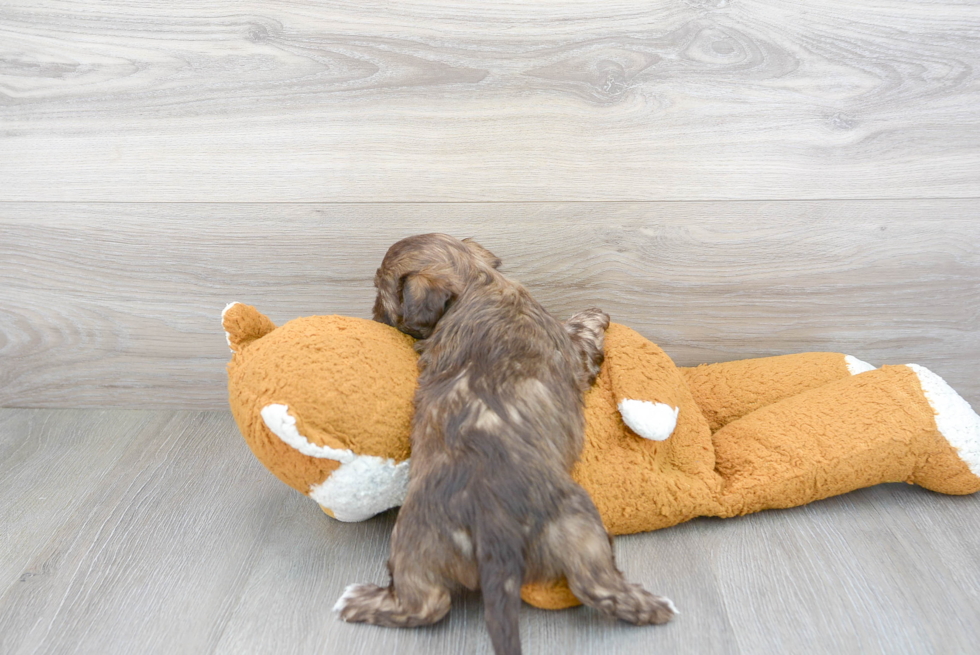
(362, 486)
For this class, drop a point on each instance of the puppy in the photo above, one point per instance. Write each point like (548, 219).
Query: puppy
(498, 425)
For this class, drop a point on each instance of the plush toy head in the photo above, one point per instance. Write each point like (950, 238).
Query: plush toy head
(325, 403)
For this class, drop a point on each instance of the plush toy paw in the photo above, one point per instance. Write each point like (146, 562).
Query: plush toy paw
(952, 464)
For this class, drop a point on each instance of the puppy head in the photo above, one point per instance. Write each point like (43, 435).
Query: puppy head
(481, 253)
(421, 277)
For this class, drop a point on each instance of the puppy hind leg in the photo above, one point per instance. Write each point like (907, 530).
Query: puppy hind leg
(579, 547)
(401, 604)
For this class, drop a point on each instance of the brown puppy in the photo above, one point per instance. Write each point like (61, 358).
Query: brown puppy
(498, 425)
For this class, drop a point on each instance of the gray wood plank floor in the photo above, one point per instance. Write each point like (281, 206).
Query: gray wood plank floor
(157, 532)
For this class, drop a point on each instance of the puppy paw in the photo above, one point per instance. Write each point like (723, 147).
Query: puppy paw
(593, 320)
(639, 607)
(588, 332)
(358, 601)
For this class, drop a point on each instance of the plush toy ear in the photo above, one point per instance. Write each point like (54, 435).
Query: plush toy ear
(244, 324)
(425, 298)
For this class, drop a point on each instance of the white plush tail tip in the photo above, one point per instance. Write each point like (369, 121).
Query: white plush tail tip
(955, 419)
(856, 366)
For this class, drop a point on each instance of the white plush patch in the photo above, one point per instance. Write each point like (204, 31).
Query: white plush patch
(283, 425)
(223, 312)
(955, 418)
(363, 486)
(856, 366)
(654, 421)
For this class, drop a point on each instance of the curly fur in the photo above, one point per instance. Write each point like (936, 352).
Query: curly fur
(498, 425)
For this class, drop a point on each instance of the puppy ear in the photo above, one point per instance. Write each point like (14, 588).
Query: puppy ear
(425, 298)
(482, 253)
(386, 301)
(380, 313)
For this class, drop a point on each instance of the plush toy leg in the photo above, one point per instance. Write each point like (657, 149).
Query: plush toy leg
(730, 390)
(897, 423)
(551, 595)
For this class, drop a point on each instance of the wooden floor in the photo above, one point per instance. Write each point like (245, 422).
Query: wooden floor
(158, 532)
(732, 178)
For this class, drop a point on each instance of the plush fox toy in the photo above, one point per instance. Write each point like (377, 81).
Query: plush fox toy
(325, 403)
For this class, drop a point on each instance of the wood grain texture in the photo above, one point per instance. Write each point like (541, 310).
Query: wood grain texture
(777, 570)
(433, 100)
(118, 305)
(170, 537)
(156, 546)
(74, 454)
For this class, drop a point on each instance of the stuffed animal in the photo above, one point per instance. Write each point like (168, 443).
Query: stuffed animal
(325, 403)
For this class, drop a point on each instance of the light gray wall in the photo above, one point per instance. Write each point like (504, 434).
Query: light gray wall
(731, 179)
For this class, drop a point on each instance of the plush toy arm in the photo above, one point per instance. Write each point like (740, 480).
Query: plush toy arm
(730, 390)
(552, 595)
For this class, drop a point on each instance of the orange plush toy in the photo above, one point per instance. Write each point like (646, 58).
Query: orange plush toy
(325, 403)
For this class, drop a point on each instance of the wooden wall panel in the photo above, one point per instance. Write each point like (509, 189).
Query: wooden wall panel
(430, 100)
(119, 304)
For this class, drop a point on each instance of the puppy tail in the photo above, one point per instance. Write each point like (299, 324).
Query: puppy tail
(500, 556)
